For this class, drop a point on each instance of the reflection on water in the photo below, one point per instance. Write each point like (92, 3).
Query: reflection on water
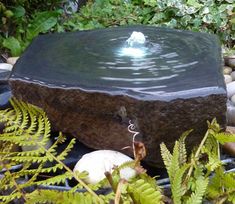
(169, 61)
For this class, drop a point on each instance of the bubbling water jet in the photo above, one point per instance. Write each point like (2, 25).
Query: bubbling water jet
(135, 46)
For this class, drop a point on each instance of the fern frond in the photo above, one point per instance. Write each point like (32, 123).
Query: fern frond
(197, 196)
(65, 152)
(142, 192)
(211, 148)
(8, 198)
(182, 148)
(229, 181)
(130, 164)
(178, 188)
(174, 167)
(166, 155)
(216, 183)
(214, 163)
(224, 137)
(60, 197)
(59, 179)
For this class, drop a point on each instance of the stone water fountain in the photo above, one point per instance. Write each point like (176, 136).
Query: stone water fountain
(92, 83)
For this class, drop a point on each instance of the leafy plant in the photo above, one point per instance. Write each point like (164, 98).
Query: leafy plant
(23, 20)
(20, 20)
(211, 16)
(191, 178)
(27, 125)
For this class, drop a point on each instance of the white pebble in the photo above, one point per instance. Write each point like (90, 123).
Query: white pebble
(227, 70)
(230, 89)
(231, 61)
(5, 66)
(230, 115)
(233, 75)
(98, 162)
(12, 60)
(227, 78)
(233, 100)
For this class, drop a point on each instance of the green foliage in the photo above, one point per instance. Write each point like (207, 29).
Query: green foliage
(144, 193)
(28, 126)
(23, 20)
(59, 197)
(191, 179)
(20, 19)
(197, 15)
(222, 186)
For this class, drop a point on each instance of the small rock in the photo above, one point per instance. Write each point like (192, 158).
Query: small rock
(98, 162)
(227, 78)
(233, 100)
(230, 146)
(12, 60)
(230, 114)
(230, 61)
(233, 75)
(227, 70)
(5, 66)
(230, 89)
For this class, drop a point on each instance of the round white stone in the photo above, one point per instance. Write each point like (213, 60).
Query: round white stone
(231, 115)
(233, 100)
(6, 66)
(227, 78)
(12, 60)
(233, 75)
(98, 162)
(231, 61)
(230, 89)
(227, 70)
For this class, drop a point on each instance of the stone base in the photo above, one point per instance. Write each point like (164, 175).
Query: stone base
(101, 120)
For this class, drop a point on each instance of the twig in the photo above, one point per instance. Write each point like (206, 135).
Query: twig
(119, 191)
(196, 155)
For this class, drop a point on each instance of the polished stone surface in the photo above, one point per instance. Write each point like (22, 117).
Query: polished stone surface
(91, 89)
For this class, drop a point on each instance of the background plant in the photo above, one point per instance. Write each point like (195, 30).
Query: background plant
(202, 175)
(23, 20)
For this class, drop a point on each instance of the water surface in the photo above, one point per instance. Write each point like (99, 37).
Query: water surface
(172, 64)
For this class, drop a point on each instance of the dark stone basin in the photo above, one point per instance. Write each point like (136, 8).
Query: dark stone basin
(90, 90)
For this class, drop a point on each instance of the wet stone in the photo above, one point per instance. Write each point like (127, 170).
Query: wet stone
(92, 86)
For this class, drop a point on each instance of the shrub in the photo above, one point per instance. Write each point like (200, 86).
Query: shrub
(213, 16)
(20, 18)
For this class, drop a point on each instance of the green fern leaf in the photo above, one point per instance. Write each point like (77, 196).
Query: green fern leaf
(178, 189)
(142, 192)
(229, 180)
(166, 155)
(65, 152)
(197, 196)
(60, 197)
(174, 167)
(59, 179)
(224, 137)
(8, 198)
(182, 148)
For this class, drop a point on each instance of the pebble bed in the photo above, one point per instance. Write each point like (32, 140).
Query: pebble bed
(229, 77)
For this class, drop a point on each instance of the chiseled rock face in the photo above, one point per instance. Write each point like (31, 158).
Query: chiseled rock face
(91, 91)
